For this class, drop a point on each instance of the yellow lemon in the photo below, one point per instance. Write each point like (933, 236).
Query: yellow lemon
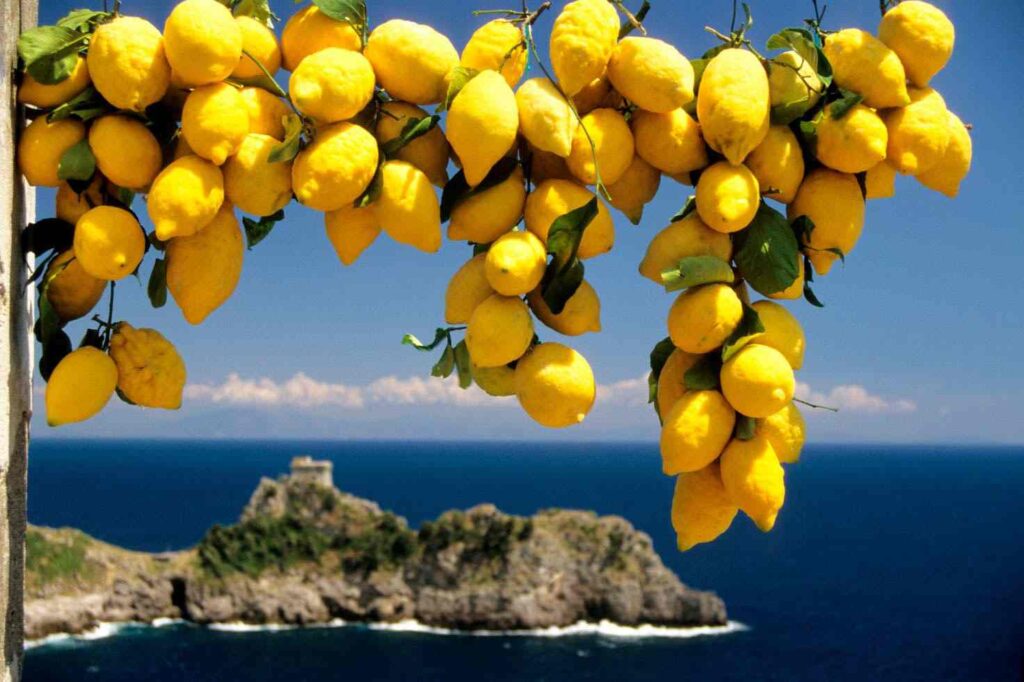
(583, 38)
(880, 181)
(581, 314)
(411, 60)
(754, 480)
(733, 103)
(42, 145)
(254, 184)
(150, 372)
(918, 133)
(70, 205)
(467, 289)
(793, 82)
(332, 85)
(185, 197)
(46, 96)
(545, 117)
(922, 35)
(407, 209)
(597, 93)
(796, 289)
(80, 386)
(758, 380)
(862, 63)
(500, 330)
(71, 290)
(834, 203)
(853, 143)
(778, 164)
(482, 124)
(337, 168)
(728, 197)
(672, 380)
(309, 30)
(554, 198)
(702, 318)
(428, 152)
(266, 112)
(555, 385)
(214, 121)
(515, 263)
(651, 73)
(203, 41)
(635, 188)
(483, 217)
(546, 166)
(495, 381)
(671, 142)
(786, 431)
(126, 151)
(260, 42)
(497, 45)
(701, 509)
(203, 269)
(127, 63)
(695, 430)
(683, 239)
(602, 143)
(109, 242)
(351, 230)
(946, 175)
(782, 331)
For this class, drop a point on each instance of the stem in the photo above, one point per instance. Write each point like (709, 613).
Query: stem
(533, 16)
(732, 21)
(110, 318)
(278, 90)
(816, 407)
(633, 21)
(718, 34)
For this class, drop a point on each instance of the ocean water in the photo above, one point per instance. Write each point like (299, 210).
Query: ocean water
(888, 563)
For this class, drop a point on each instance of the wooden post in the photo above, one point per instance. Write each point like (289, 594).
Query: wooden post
(16, 209)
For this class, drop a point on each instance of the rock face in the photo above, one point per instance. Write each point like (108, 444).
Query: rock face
(304, 554)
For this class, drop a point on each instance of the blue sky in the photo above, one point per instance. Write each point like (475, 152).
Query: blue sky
(920, 340)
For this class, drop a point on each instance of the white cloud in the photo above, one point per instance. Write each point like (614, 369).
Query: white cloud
(855, 398)
(628, 392)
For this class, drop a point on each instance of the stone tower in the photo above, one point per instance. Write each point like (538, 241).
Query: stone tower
(305, 469)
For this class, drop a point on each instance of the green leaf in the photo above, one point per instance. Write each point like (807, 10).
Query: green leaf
(77, 163)
(413, 128)
(564, 273)
(440, 334)
(463, 365)
(803, 226)
(58, 346)
(122, 397)
(766, 252)
(842, 106)
(350, 11)
(49, 234)
(49, 321)
(802, 41)
(749, 328)
(746, 427)
(443, 367)
(84, 106)
(695, 270)
(560, 287)
(257, 9)
(705, 374)
(289, 148)
(157, 287)
(50, 52)
(460, 75)
(659, 356)
(689, 207)
(92, 339)
(458, 190)
(257, 230)
(83, 20)
(373, 190)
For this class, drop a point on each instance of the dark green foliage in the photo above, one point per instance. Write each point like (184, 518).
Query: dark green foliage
(47, 561)
(387, 544)
(489, 537)
(259, 544)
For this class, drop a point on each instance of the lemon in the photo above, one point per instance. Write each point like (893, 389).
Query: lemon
(695, 430)
(922, 35)
(778, 164)
(702, 318)
(546, 166)
(728, 197)
(918, 133)
(880, 181)
(701, 509)
(331, 85)
(70, 205)
(671, 142)
(853, 143)
(497, 45)
(754, 480)
(109, 242)
(150, 372)
(266, 112)
(552, 199)
(42, 145)
(581, 314)
(411, 60)
(203, 41)
(793, 82)
(214, 121)
(351, 230)
(495, 381)
(482, 124)
(862, 63)
(555, 385)
(635, 188)
(203, 269)
(583, 38)
(80, 386)
(782, 331)
(652, 74)
(254, 184)
(946, 175)
(483, 217)
(467, 289)
(758, 380)
(796, 289)
(672, 380)
(428, 152)
(260, 42)
(408, 210)
(309, 30)
(336, 168)
(185, 197)
(786, 431)
(834, 203)
(500, 330)
(71, 290)
(46, 96)
(545, 117)
(683, 239)
(733, 104)
(126, 152)
(127, 63)
(602, 138)
(515, 263)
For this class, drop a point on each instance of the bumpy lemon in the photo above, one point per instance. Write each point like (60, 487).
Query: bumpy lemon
(495, 381)
(786, 431)
(834, 203)
(485, 216)
(70, 205)
(332, 85)
(351, 230)
(702, 318)
(500, 330)
(603, 138)
(672, 380)
(266, 112)
(80, 386)
(467, 289)
(947, 174)
(407, 208)
(701, 509)
(853, 143)
(254, 184)
(545, 117)
(793, 82)
(778, 164)
(126, 151)
(918, 133)
(203, 41)
(127, 63)
(597, 93)
(109, 242)
(651, 73)
(796, 289)
(671, 142)
(45, 96)
(515, 263)
(185, 197)
(635, 188)
(71, 290)
(922, 35)
(334, 170)
(411, 60)
(683, 239)
(554, 198)
(497, 45)
(862, 63)
(482, 124)
(880, 181)
(754, 480)
(555, 385)
(733, 103)
(214, 121)
(581, 314)
(782, 331)
(309, 30)
(260, 42)
(727, 197)
(150, 372)
(695, 430)
(42, 145)
(583, 38)
(547, 166)
(758, 380)
(428, 152)
(203, 269)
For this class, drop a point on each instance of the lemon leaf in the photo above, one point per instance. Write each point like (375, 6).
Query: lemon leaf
(809, 294)
(289, 148)
(413, 128)
(803, 43)
(842, 106)
(458, 190)
(84, 106)
(50, 52)
(443, 367)
(746, 427)
(564, 273)
(659, 356)
(49, 234)
(257, 9)
(689, 207)
(54, 351)
(463, 365)
(766, 252)
(157, 286)
(350, 11)
(440, 334)
(258, 230)
(83, 20)
(696, 270)
(49, 322)
(460, 75)
(705, 374)
(749, 328)
(77, 163)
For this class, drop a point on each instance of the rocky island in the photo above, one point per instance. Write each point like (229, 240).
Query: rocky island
(304, 553)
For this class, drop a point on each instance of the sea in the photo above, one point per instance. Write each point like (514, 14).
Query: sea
(887, 563)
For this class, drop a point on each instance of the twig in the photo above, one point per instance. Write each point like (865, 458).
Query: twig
(816, 407)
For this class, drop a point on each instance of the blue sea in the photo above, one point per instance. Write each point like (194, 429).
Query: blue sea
(888, 563)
